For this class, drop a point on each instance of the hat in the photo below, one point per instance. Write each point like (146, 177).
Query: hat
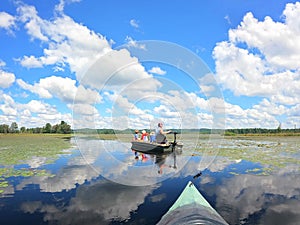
(143, 131)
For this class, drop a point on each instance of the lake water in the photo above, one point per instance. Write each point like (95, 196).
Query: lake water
(249, 181)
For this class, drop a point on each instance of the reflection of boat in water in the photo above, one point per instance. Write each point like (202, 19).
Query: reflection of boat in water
(148, 147)
(161, 159)
(191, 208)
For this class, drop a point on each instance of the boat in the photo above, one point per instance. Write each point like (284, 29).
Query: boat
(191, 208)
(153, 147)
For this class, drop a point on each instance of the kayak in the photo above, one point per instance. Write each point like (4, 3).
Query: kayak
(191, 208)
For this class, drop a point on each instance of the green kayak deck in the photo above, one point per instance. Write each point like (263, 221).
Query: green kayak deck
(190, 195)
(191, 208)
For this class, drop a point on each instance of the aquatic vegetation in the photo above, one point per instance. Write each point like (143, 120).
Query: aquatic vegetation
(269, 152)
(19, 149)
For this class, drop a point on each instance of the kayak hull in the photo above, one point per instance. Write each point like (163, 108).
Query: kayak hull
(191, 208)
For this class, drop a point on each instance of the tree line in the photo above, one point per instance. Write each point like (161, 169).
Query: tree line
(260, 131)
(60, 128)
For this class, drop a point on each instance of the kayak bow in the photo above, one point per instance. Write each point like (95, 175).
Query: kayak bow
(191, 208)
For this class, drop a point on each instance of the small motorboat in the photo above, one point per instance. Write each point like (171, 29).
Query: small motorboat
(153, 147)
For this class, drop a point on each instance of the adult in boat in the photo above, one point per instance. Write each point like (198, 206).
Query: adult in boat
(160, 134)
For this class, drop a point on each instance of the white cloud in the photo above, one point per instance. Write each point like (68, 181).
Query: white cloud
(68, 42)
(134, 44)
(271, 108)
(45, 113)
(35, 106)
(7, 21)
(116, 70)
(122, 105)
(31, 62)
(166, 112)
(60, 7)
(134, 23)
(8, 106)
(268, 63)
(157, 70)
(83, 109)
(227, 18)
(43, 93)
(63, 88)
(74, 45)
(33, 23)
(2, 63)
(6, 79)
(278, 42)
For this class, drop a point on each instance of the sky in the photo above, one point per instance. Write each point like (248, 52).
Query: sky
(129, 64)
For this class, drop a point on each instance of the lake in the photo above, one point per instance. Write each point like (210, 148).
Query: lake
(249, 180)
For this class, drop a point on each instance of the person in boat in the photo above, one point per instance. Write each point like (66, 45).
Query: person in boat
(144, 136)
(152, 137)
(136, 135)
(160, 134)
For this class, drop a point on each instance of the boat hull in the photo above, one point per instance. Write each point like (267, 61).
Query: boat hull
(147, 147)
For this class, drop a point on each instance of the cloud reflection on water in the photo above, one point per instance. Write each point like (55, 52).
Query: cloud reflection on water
(274, 197)
(96, 203)
(241, 198)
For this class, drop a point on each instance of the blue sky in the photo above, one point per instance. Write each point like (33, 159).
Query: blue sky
(88, 63)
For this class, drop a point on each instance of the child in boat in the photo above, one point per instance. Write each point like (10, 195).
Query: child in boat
(144, 136)
(136, 135)
(152, 137)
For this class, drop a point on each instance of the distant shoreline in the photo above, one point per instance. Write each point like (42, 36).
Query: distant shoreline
(113, 135)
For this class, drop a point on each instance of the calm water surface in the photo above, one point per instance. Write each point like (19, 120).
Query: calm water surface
(254, 181)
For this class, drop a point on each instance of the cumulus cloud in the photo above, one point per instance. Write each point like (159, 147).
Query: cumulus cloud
(268, 65)
(8, 105)
(36, 106)
(69, 43)
(7, 21)
(6, 79)
(261, 59)
(63, 88)
(157, 70)
(34, 113)
(84, 51)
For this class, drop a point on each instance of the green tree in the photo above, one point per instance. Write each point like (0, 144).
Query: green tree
(64, 128)
(22, 129)
(47, 128)
(4, 128)
(13, 127)
(54, 128)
